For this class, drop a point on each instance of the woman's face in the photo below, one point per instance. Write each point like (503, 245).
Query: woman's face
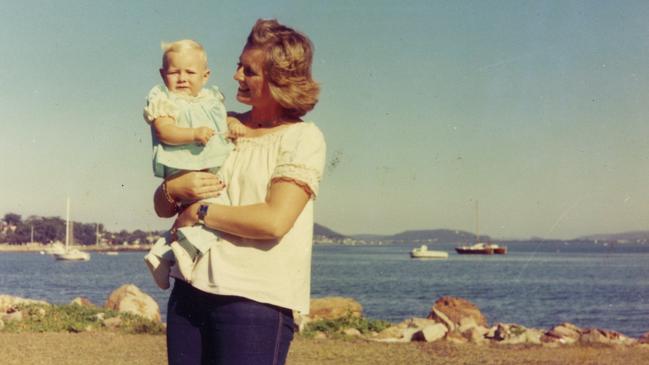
(253, 86)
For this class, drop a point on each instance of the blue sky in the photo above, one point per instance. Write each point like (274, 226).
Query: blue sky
(537, 109)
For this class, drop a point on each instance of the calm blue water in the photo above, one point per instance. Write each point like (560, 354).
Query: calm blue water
(534, 285)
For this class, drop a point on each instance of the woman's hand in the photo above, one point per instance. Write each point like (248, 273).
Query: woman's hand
(194, 185)
(187, 218)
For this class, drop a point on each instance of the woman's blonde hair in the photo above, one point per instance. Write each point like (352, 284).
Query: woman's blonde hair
(289, 55)
(182, 46)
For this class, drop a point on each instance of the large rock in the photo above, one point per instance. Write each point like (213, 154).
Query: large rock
(644, 339)
(334, 308)
(564, 333)
(8, 302)
(513, 334)
(431, 333)
(129, 298)
(454, 310)
(82, 301)
(476, 334)
(607, 337)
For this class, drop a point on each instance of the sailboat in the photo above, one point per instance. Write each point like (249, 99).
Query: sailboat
(480, 248)
(70, 254)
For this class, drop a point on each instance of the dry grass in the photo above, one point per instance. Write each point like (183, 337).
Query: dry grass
(92, 348)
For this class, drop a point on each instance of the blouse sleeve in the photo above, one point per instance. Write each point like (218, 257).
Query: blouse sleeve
(302, 159)
(158, 104)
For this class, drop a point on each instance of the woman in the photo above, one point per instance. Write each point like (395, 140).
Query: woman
(238, 307)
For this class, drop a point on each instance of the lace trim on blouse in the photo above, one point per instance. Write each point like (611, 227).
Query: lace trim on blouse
(303, 176)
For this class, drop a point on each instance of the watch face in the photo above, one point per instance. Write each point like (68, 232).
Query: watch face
(202, 211)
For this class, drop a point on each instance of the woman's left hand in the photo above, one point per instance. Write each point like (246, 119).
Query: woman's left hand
(187, 218)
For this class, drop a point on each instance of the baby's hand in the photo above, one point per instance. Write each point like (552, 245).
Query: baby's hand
(203, 134)
(236, 129)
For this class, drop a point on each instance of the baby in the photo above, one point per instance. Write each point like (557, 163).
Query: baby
(190, 131)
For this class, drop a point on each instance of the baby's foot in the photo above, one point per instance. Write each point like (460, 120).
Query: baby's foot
(184, 261)
(159, 269)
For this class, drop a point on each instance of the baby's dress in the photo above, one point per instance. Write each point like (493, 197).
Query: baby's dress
(204, 110)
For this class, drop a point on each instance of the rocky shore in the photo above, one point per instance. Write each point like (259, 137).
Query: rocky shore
(335, 332)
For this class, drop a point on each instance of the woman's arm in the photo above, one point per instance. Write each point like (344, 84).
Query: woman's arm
(183, 188)
(269, 220)
(168, 133)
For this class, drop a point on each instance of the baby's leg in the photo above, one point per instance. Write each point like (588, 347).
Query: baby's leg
(194, 242)
(159, 261)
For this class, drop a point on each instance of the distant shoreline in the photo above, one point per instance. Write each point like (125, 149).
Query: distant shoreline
(38, 247)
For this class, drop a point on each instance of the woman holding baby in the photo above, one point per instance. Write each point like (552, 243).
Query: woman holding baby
(237, 307)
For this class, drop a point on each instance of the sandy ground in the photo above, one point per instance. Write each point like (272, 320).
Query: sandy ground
(110, 348)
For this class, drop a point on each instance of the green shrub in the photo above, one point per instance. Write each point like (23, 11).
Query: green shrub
(76, 318)
(336, 326)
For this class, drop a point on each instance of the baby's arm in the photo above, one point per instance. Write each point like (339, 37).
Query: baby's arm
(168, 133)
(236, 128)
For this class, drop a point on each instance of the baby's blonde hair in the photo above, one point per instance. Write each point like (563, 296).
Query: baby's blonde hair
(181, 46)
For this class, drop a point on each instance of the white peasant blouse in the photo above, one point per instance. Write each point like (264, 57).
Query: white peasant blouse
(276, 272)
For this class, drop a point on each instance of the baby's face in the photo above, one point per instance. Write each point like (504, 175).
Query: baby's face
(185, 72)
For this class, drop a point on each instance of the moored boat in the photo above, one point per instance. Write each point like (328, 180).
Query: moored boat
(422, 252)
(68, 253)
(482, 249)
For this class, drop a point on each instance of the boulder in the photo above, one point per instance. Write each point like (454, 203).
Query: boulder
(607, 337)
(564, 333)
(129, 298)
(455, 309)
(112, 323)
(352, 332)
(440, 317)
(466, 324)
(82, 301)
(334, 308)
(513, 334)
(7, 302)
(13, 316)
(431, 333)
(476, 334)
(416, 322)
(644, 339)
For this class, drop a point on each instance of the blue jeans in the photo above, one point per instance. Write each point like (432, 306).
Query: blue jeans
(205, 328)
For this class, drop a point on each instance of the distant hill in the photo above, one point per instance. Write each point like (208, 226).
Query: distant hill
(325, 234)
(320, 230)
(437, 235)
(432, 235)
(630, 237)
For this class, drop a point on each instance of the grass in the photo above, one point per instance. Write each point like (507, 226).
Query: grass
(75, 318)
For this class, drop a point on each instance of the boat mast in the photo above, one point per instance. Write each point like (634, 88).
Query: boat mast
(67, 223)
(477, 222)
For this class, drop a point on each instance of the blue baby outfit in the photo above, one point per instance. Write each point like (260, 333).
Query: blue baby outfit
(204, 110)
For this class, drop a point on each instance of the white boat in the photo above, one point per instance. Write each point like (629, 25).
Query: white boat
(422, 252)
(55, 248)
(70, 254)
(112, 253)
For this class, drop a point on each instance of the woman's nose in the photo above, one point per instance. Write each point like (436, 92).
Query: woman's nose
(238, 74)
